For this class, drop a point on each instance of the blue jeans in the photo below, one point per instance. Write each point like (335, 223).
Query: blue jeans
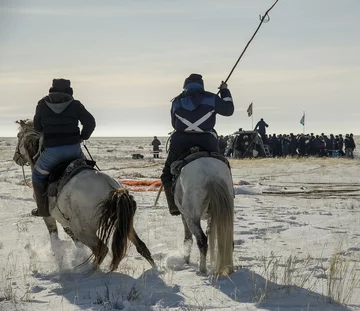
(53, 156)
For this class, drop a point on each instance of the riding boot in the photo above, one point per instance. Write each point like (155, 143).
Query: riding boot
(41, 200)
(170, 200)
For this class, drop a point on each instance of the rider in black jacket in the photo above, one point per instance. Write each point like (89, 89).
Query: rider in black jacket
(57, 116)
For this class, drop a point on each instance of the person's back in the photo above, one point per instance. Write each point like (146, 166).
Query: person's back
(193, 116)
(56, 117)
(352, 141)
(261, 127)
(341, 144)
(352, 145)
(156, 143)
(194, 112)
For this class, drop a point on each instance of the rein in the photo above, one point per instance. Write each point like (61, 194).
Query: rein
(86, 148)
(28, 135)
(25, 181)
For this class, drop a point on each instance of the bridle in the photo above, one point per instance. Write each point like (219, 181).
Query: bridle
(25, 136)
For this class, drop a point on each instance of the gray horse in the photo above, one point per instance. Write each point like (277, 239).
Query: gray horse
(90, 202)
(204, 191)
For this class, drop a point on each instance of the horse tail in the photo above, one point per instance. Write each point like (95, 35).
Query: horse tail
(116, 218)
(221, 227)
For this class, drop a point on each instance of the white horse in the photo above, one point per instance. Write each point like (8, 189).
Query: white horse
(204, 190)
(90, 202)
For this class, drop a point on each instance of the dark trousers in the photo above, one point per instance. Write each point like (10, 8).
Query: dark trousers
(263, 137)
(181, 143)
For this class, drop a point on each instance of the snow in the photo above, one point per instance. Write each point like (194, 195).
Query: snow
(297, 241)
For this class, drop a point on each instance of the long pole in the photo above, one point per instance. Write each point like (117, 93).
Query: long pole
(158, 195)
(252, 120)
(262, 19)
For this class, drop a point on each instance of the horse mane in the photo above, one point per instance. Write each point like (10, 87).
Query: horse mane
(32, 139)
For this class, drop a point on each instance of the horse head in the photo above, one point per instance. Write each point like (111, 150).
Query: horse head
(28, 144)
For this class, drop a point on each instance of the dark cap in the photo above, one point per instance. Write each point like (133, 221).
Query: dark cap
(194, 78)
(61, 86)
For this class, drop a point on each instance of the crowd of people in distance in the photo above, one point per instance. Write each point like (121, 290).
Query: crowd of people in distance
(282, 145)
(311, 145)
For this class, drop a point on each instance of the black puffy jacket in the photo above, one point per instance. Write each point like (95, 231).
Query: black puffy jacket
(57, 116)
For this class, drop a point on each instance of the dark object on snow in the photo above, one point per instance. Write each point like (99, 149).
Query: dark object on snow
(137, 156)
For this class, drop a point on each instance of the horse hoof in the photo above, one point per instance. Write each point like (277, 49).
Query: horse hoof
(201, 273)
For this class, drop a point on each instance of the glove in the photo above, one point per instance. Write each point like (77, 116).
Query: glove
(223, 85)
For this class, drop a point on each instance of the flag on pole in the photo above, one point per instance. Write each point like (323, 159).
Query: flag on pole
(250, 110)
(302, 121)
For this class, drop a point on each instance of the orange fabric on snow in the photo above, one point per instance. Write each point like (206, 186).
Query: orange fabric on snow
(142, 185)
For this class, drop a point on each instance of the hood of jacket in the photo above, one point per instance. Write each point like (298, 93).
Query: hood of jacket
(58, 102)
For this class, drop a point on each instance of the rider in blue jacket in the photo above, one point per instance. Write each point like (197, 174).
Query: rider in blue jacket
(193, 116)
(57, 116)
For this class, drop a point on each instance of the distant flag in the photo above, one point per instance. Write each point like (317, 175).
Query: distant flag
(302, 121)
(250, 110)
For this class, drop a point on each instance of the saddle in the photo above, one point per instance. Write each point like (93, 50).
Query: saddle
(193, 154)
(62, 174)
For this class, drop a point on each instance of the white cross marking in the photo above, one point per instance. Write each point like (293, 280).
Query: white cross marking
(194, 126)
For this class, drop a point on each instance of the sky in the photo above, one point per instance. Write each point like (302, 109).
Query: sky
(127, 59)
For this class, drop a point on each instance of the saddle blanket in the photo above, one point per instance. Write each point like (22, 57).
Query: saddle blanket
(193, 154)
(62, 174)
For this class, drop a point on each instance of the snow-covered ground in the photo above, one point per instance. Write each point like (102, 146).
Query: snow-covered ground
(297, 241)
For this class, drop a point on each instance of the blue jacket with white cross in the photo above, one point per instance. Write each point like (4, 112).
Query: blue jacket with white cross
(194, 110)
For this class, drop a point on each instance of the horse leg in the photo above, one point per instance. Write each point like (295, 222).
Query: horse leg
(141, 247)
(50, 223)
(188, 241)
(98, 248)
(201, 239)
(71, 235)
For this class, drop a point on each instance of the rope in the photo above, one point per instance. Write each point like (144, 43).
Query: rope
(262, 19)
(25, 181)
(90, 155)
(158, 195)
(41, 140)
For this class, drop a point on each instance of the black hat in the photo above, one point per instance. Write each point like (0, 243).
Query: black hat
(61, 86)
(194, 78)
